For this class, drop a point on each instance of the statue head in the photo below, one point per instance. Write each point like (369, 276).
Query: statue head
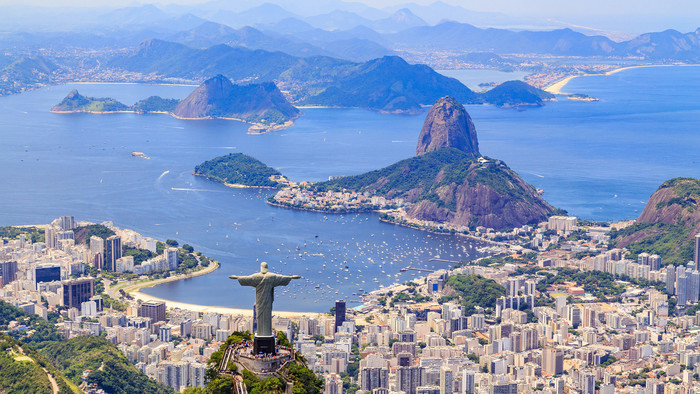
(263, 267)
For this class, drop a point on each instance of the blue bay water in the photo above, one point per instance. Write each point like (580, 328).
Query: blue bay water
(598, 160)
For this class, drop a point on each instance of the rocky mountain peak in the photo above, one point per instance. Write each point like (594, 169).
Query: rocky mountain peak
(448, 125)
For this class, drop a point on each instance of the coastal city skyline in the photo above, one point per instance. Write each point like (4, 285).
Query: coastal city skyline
(427, 197)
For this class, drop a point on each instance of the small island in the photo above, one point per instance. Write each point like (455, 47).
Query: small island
(261, 105)
(581, 97)
(239, 170)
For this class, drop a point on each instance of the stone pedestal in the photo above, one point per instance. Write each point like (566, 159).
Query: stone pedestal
(264, 345)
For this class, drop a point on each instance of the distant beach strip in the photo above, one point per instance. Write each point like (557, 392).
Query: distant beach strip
(556, 87)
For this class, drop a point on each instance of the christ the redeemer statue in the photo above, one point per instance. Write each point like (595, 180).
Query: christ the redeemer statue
(264, 283)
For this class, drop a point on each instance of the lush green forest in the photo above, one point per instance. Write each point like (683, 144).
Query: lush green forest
(668, 227)
(452, 166)
(237, 168)
(110, 369)
(673, 242)
(419, 171)
(514, 93)
(38, 330)
(22, 370)
(475, 290)
(84, 233)
(156, 104)
(33, 233)
(75, 102)
(72, 357)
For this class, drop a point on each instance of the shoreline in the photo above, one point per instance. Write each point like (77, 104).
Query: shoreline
(255, 128)
(236, 185)
(556, 87)
(134, 290)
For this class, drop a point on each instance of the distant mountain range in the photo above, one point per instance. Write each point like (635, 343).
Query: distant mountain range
(386, 84)
(331, 28)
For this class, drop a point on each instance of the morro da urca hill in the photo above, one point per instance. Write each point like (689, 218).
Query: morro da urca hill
(448, 182)
(260, 104)
(448, 125)
(668, 224)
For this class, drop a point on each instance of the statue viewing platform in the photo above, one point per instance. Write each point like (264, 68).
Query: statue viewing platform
(243, 355)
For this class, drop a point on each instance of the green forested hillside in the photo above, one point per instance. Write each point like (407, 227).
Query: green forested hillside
(22, 370)
(237, 168)
(111, 371)
(475, 290)
(668, 224)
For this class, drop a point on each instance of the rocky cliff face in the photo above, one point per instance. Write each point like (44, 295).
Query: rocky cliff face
(217, 97)
(204, 99)
(674, 202)
(490, 195)
(448, 125)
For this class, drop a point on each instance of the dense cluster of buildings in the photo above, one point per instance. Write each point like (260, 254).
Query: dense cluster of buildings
(537, 339)
(339, 201)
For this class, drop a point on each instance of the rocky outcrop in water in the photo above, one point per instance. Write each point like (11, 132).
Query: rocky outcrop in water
(218, 97)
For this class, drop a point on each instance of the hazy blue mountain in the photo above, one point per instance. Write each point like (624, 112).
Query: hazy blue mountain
(400, 20)
(319, 36)
(338, 20)
(148, 16)
(439, 11)
(266, 12)
(387, 84)
(285, 26)
(515, 93)
(212, 33)
(177, 60)
(356, 49)
(263, 13)
(390, 84)
(668, 44)
(466, 37)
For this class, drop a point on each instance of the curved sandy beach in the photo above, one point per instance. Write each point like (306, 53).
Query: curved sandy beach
(556, 87)
(134, 291)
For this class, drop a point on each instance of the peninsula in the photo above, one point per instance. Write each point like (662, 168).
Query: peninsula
(261, 105)
(448, 185)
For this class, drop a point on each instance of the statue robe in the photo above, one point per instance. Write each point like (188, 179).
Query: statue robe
(264, 296)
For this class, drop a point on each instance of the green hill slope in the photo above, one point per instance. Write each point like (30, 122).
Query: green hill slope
(111, 371)
(23, 370)
(668, 224)
(452, 186)
(238, 169)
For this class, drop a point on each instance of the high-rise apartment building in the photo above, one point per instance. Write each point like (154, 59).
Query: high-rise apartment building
(408, 379)
(77, 291)
(153, 309)
(50, 238)
(113, 252)
(67, 222)
(339, 313)
(97, 252)
(553, 361)
(8, 271)
(171, 258)
(372, 378)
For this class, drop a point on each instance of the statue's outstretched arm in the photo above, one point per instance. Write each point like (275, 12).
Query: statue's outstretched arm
(233, 277)
(296, 277)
